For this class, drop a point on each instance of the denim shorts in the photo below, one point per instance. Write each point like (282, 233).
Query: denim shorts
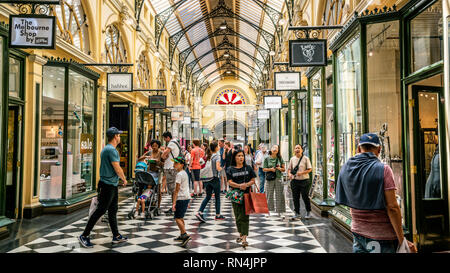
(181, 208)
(362, 244)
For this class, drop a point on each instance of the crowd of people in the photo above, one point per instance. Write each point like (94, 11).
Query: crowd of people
(364, 184)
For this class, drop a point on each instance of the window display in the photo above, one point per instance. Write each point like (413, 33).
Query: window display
(52, 128)
(384, 96)
(316, 133)
(349, 113)
(329, 116)
(1, 80)
(80, 139)
(80, 135)
(427, 37)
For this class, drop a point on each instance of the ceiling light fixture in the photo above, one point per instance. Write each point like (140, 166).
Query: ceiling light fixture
(223, 26)
(157, 54)
(172, 73)
(282, 21)
(272, 53)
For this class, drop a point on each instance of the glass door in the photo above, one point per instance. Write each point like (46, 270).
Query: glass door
(431, 195)
(13, 163)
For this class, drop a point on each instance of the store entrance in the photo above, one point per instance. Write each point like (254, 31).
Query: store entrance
(431, 193)
(13, 169)
(119, 117)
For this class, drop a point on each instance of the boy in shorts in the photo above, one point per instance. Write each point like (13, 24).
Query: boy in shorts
(181, 198)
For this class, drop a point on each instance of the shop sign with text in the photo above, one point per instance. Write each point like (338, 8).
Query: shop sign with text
(120, 82)
(273, 102)
(263, 114)
(157, 102)
(287, 81)
(86, 144)
(32, 31)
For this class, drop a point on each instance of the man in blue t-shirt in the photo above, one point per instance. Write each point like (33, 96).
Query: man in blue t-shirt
(108, 197)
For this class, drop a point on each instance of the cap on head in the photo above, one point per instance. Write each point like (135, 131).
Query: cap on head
(111, 132)
(180, 160)
(370, 139)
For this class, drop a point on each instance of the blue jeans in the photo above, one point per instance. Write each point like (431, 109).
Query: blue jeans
(211, 186)
(362, 244)
(262, 179)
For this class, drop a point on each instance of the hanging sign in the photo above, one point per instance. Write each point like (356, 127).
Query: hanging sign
(272, 102)
(317, 102)
(287, 81)
(263, 114)
(176, 116)
(308, 52)
(186, 120)
(195, 124)
(119, 82)
(205, 131)
(157, 102)
(32, 31)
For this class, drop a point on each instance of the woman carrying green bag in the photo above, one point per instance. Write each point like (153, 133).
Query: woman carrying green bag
(240, 178)
(274, 168)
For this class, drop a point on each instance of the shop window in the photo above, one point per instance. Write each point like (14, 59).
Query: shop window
(384, 96)
(427, 37)
(329, 120)
(72, 24)
(80, 135)
(15, 67)
(316, 133)
(349, 114)
(1, 81)
(52, 129)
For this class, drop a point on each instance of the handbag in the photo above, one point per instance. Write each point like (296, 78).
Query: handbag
(295, 170)
(235, 196)
(255, 203)
(272, 175)
(93, 208)
(403, 248)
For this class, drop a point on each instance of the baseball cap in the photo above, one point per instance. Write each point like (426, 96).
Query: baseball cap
(370, 138)
(180, 160)
(113, 131)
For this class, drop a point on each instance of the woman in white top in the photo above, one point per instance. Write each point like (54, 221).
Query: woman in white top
(298, 172)
(249, 157)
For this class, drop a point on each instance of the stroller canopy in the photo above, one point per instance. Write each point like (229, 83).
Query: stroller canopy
(145, 178)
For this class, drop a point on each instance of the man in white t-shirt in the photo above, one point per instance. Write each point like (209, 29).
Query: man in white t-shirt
(172, 151)
(181, 198)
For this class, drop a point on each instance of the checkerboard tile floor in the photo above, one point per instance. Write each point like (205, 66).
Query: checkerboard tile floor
(270, 235)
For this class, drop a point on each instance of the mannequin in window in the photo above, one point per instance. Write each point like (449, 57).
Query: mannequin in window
(433, 186)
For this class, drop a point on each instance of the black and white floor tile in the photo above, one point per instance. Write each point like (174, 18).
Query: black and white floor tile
(272, 235)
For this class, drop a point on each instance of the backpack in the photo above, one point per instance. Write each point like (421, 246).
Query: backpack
(207, 172)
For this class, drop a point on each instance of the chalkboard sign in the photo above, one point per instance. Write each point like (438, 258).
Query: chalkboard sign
(157, 102)
(308, 52)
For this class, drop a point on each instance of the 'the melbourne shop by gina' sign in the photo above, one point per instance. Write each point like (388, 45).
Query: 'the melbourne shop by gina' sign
(32, 31)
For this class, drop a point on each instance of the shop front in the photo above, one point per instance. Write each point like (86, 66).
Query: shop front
(12, 102)
(388, 69)
(320, 94)
(66, 148)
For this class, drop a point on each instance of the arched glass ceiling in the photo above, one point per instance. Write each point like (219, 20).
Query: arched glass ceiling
(188, 12)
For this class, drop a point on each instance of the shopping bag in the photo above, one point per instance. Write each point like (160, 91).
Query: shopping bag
(93, 207)
(255, 203)
(403, 248)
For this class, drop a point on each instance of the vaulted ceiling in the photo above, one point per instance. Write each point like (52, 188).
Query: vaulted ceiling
(219, 38)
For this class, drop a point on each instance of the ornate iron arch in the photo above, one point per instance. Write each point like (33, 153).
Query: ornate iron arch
(220, 11)
(219, 32)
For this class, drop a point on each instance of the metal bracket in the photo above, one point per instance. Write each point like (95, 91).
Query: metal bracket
(311, 32)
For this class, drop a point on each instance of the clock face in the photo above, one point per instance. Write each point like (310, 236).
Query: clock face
(230, 96)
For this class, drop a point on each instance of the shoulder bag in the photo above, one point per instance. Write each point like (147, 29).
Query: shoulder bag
(272, 175)
(295, 170)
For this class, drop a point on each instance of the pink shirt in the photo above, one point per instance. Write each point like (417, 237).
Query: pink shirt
(375, 224)
(196, 153)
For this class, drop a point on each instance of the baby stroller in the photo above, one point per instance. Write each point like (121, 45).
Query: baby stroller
(142, 180)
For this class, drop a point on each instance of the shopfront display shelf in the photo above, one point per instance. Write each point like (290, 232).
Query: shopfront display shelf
(66, 206)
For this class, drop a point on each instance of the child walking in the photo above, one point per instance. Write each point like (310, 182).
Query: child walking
(181, 198)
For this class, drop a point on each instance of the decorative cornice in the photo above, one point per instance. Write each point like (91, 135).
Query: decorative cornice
(37, 59)
(343, 31)
(74, 63)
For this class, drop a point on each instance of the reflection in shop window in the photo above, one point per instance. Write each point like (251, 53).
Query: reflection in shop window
(316, 133)
(384, 97)
(1, 80)
(349, 98)
(427, 37)
(80, 135)
(52, 128)
(330, 132)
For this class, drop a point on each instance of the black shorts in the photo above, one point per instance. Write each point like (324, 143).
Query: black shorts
(196, 174)
(181, 208)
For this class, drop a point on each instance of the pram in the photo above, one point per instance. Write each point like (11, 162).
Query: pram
(151, 203)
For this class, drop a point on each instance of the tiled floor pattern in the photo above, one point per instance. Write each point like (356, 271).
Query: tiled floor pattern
(272, 235)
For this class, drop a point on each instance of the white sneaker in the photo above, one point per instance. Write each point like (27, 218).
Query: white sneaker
(308, 215)
(282, 215)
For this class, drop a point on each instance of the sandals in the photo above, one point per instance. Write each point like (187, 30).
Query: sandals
(245, 244)
(238, 240)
